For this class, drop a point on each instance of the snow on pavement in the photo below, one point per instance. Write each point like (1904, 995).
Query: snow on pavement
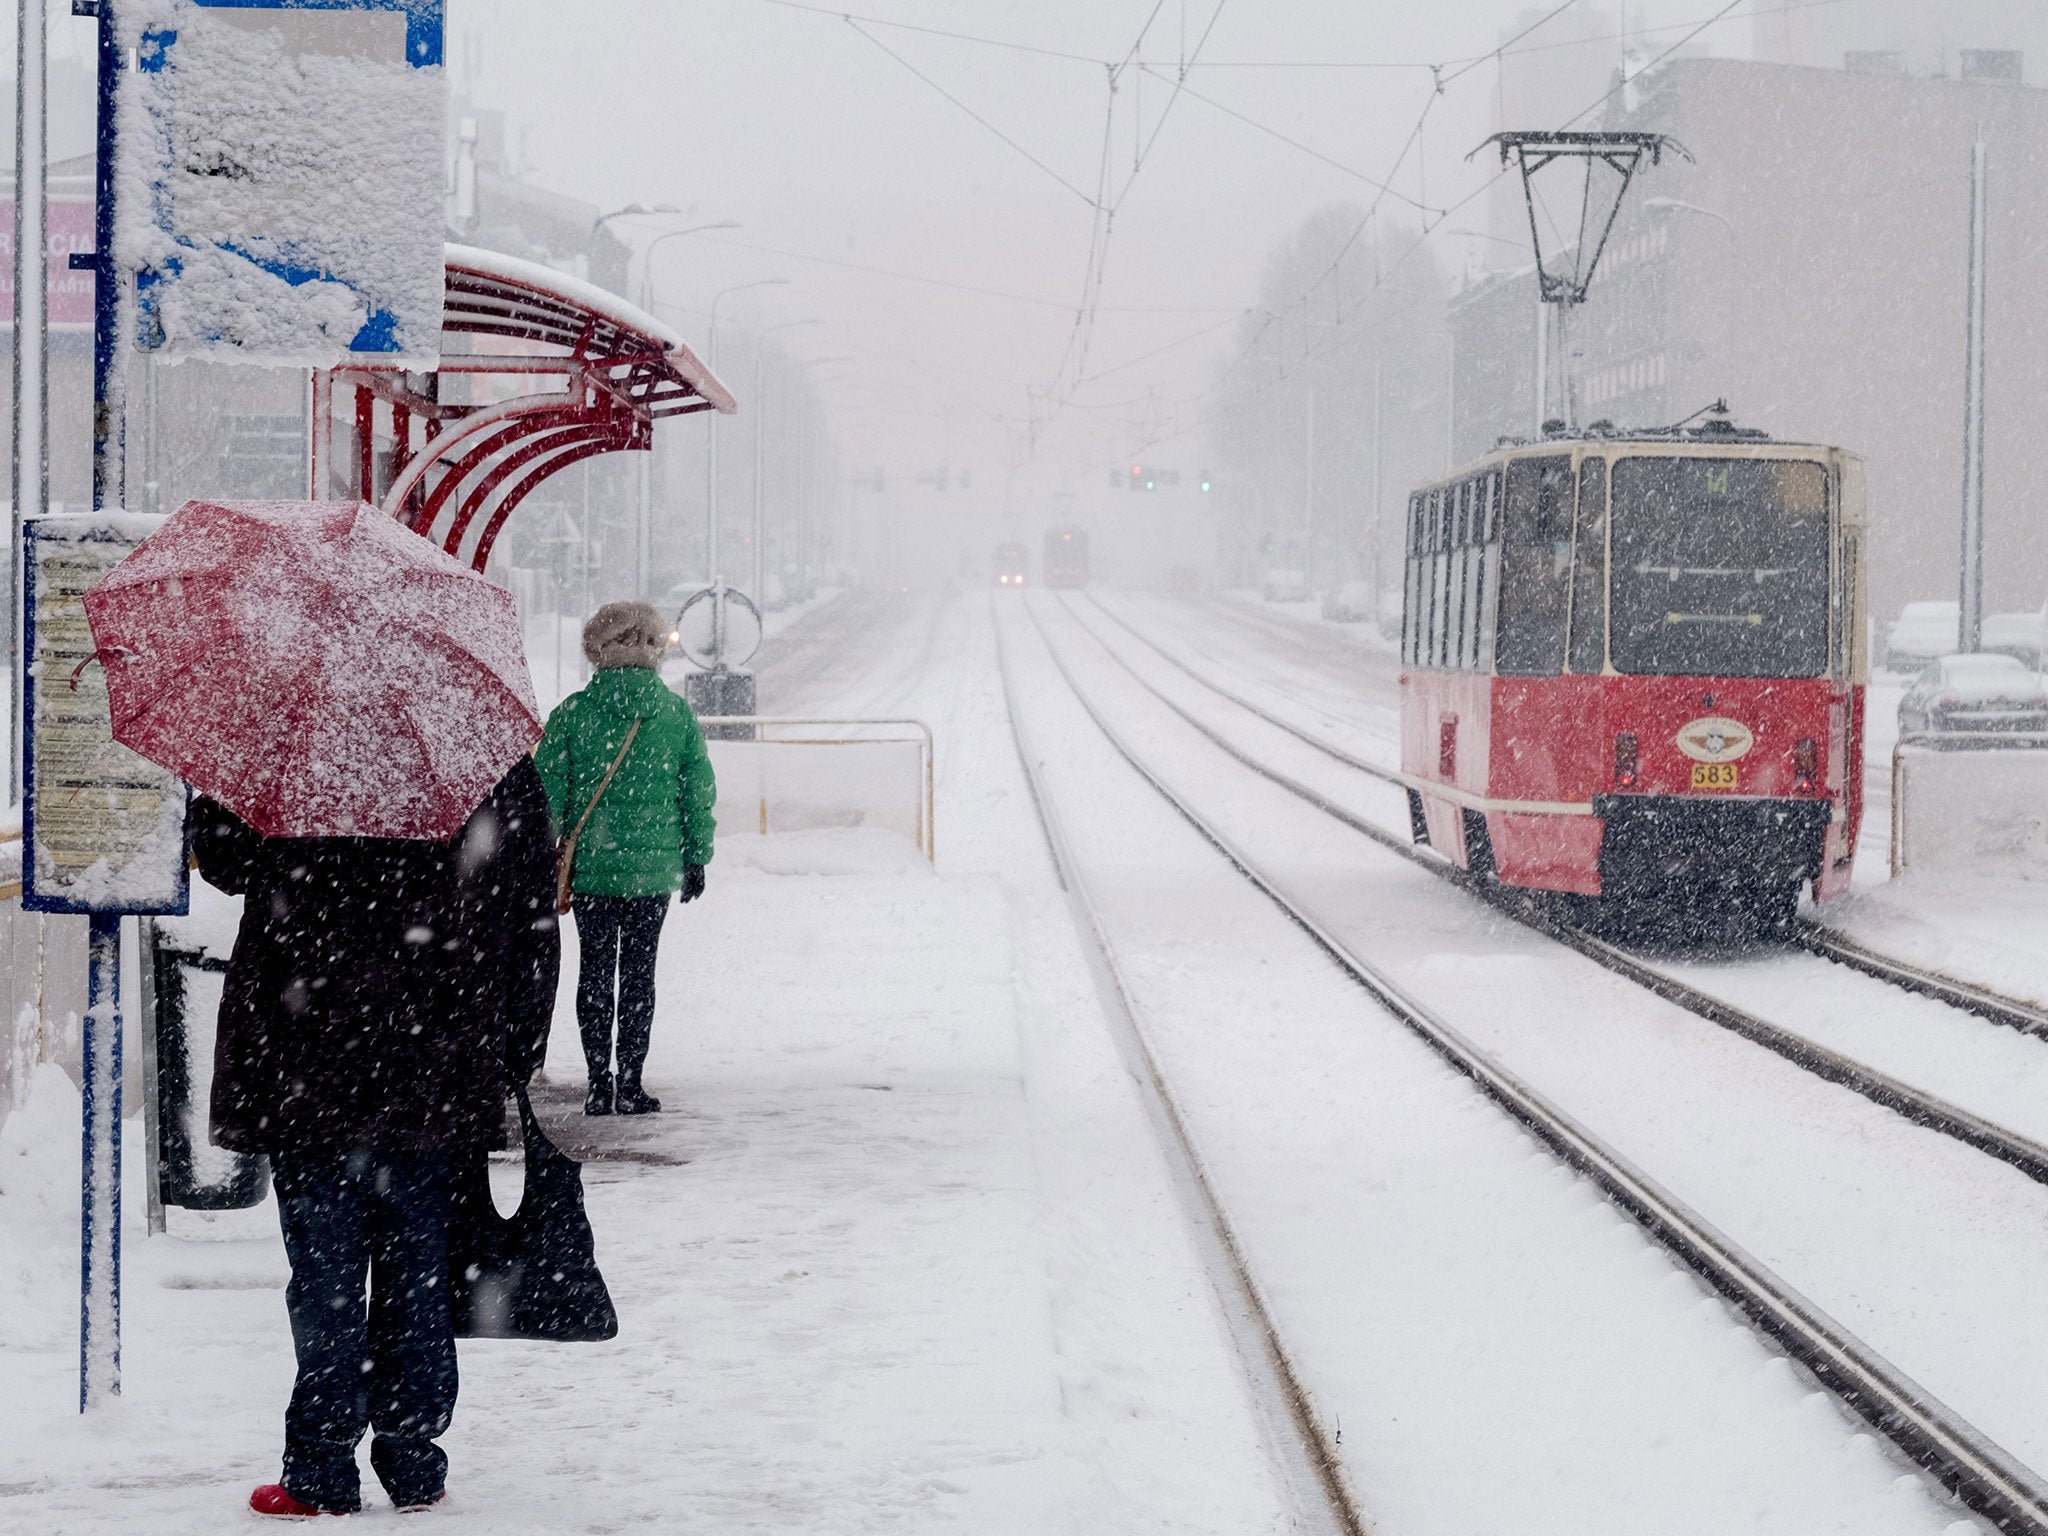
(900, 1256)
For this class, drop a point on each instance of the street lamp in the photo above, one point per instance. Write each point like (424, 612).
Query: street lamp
(806, 534)
(711, 448)
(630, 210)
(647, 256)
(644, 530)
(760, 430)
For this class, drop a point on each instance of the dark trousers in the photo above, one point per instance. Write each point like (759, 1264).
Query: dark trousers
(352, 1217)
(616, 938)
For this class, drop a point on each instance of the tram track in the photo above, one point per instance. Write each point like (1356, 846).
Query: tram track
(1815, 938)
(1315, 1463)
(1980, 1473)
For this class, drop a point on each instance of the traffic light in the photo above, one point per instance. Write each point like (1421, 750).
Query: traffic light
(1141, 480)
(1207, 481)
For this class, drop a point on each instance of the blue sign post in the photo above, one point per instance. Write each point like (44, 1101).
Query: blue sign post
(107, 837)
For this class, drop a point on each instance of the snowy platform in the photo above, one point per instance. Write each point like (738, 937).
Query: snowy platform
(897, 1256)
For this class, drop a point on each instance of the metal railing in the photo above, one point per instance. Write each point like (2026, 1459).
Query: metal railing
(1940, 744)
(768, 731)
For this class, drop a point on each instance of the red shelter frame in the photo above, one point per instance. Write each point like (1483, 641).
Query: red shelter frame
(457, 471)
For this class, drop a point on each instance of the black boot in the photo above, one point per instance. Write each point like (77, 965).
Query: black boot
(599, 1099)
(633, 1100)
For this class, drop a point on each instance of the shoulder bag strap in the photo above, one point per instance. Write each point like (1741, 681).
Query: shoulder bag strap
(565, 857)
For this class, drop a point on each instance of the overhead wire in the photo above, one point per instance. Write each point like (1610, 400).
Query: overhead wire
(1292, 143)
(956, 101)
(1314, 354)
(963, 37)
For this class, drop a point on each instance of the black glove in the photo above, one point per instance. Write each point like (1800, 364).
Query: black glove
(693, 881)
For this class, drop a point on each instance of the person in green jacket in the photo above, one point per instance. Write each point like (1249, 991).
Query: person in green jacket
(649, 835)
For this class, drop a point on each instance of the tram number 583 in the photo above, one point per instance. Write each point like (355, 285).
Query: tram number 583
(1713, 776)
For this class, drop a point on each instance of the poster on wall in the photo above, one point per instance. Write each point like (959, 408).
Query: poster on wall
(279, 179)
(103, 829)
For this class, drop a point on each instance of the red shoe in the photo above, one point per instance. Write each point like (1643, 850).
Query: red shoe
(272, 1500)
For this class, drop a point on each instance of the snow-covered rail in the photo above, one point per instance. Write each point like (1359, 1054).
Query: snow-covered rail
(1983, 1475)
(1306, 1447)
(1968, 996)
(1817, 938)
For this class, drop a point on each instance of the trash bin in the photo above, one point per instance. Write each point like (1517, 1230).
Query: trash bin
(191, 1171)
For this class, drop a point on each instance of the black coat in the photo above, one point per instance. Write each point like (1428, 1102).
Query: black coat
(382, 990)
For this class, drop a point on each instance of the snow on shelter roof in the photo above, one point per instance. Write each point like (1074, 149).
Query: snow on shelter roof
(494, 294)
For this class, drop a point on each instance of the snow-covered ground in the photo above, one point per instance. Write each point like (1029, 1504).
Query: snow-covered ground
(900, 1255)
(903, 1255)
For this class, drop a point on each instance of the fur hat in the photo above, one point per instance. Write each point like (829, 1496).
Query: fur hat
(625, 635)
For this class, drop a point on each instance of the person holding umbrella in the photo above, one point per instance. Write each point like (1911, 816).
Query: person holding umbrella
(629, 780)
(354, 707)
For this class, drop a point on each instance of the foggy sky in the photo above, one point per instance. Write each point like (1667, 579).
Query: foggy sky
(805, 130)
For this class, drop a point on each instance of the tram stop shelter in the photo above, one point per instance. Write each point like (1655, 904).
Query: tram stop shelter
(539, 370)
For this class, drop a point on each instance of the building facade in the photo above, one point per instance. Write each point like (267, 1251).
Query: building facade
(1809, 266)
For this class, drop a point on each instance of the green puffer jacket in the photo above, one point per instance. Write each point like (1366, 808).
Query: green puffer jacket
(656, 817)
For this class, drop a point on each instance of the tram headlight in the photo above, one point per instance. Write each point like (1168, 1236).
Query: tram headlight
(1624, 759)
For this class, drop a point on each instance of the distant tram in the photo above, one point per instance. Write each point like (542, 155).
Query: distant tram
(1066, 558)
(1010, 562)
(1633, 669)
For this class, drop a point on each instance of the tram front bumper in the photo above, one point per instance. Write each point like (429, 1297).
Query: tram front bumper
(1655, 845)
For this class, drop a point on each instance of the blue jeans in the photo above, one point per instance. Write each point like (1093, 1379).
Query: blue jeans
(348, 1218)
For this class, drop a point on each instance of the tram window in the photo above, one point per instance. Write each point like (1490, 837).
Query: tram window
(1454, 578)
(1535, 567)
(1489, 599)
(1720, 567)
(1468, 628)
(1411, 617)
(1589, 570)
(1425, 577)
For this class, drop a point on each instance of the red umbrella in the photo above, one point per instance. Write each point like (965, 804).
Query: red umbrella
(317, 667)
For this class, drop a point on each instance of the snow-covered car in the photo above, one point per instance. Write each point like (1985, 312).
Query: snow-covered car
(1921, 632)
(2018, 635)
(1976, 692)
(1348, 602)
(1284, 586)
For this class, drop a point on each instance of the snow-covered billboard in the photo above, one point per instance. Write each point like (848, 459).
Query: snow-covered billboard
(280, 176)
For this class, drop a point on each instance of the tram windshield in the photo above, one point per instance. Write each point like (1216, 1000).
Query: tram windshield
(1720, 567)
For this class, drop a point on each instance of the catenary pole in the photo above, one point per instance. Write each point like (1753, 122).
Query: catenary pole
(31, 337)
(1970, 610)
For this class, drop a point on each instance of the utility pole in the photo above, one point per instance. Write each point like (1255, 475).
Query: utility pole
(760, 590)
(1970, 610)
(1308, 497)
(31, 339)
(1378, 367)
(643, 540)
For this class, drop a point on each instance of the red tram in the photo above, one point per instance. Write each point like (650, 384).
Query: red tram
(1633, 668)
(1066, 558)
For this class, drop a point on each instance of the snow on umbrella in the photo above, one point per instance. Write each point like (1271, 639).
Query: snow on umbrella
(316, 667)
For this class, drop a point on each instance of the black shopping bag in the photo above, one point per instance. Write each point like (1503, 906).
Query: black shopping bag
(532, 1275)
